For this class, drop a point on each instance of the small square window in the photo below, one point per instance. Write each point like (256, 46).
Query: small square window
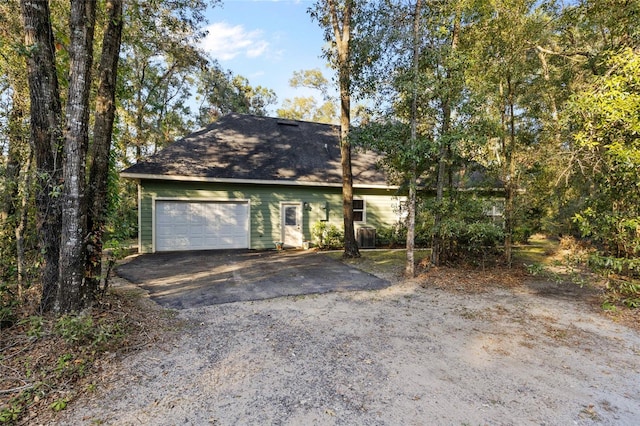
(290, 216)
(358, 210)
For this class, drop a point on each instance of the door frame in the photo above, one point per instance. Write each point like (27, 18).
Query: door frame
(299, 205)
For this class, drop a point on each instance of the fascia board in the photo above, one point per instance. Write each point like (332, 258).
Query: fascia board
(178, 178)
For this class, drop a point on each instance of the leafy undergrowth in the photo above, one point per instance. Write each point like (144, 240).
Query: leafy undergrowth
(571, 261)
(546, 265)
(46, 363)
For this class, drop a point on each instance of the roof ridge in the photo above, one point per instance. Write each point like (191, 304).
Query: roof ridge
(267, 117)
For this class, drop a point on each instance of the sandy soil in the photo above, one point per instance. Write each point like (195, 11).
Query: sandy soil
(405, 355)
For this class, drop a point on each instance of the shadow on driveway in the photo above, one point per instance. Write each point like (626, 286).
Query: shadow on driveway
(182, 280)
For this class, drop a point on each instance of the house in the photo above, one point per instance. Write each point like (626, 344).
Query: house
(247, 181)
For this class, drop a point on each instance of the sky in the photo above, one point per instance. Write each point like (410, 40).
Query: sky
(266, 41)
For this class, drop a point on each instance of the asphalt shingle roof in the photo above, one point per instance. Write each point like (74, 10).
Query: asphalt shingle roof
(248, 147)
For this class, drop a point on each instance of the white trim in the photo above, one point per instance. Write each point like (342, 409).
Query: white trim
(155, 199)
(140, 218)
(248, 181)
(204, 200)
(364, 210)
(153, 224)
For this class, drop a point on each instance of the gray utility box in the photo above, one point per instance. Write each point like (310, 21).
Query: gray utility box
(366, 237)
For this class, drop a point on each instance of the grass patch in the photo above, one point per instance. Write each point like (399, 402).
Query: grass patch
(387, 264)
(539, 250)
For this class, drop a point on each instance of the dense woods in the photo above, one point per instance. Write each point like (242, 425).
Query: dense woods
(539, 99)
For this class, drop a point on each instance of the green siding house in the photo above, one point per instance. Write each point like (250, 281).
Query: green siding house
(248, 182)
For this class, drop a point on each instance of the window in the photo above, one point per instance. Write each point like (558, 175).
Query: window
(291, 216)
(358, 210)
(495, 212)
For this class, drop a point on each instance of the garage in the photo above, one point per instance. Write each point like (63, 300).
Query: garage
(202, 225)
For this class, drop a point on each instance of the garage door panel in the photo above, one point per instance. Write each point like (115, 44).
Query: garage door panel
(174, 243)
(182, 225)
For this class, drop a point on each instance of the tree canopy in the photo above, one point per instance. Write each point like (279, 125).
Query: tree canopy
(541, 98)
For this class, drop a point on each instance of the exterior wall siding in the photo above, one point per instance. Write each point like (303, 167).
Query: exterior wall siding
(320, 203)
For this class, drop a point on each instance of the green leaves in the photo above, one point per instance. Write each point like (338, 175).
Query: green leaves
(307, 108)
(606, 119)
(327, 236)
(607, 111)
(401, 156)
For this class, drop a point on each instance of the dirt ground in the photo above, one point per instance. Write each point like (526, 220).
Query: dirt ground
(427, 351)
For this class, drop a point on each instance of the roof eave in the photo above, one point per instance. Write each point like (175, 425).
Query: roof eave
(179, 178)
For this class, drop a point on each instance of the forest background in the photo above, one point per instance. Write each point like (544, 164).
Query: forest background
(540, 99)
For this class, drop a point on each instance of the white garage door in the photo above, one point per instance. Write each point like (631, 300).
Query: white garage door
(184, 225)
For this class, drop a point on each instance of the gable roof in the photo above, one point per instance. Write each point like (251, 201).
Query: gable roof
(251, 149)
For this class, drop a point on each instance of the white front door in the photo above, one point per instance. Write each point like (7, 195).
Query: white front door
(291, 218)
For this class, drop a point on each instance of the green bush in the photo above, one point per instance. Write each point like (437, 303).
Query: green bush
(521, 234)
(622, 292)
(424, 235)
(466, 232)
(391, 236)
(8, 303)
(617, 265)
(327, 236)
(622, 275)
(396, 235)
(462, 240)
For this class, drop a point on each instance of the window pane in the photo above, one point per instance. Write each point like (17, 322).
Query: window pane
(290, 216)
(358, 210)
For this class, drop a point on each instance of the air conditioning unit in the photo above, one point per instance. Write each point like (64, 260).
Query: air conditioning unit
(366, 237)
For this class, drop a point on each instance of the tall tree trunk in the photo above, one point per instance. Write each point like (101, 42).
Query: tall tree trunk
(70, 295)
(509, 143)
(444, 153)
(15, 136)
(99, 155)
(342, 35)
(13, 211)
(45, 139)
(350, 243)
(409, 269)
(21, 223)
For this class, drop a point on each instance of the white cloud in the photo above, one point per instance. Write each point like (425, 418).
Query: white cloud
(225, 42)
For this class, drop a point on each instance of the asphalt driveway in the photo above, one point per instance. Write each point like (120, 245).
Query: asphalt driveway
(182, 280)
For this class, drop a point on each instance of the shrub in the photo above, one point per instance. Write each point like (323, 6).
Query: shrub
(391, 236)
(327, 236)
(466, 232)
(424, 235)
(521, 234)
(8, 304)
(622, 291)
(396, 235)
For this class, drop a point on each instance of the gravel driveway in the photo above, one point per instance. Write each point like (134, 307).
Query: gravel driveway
(404, 355)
